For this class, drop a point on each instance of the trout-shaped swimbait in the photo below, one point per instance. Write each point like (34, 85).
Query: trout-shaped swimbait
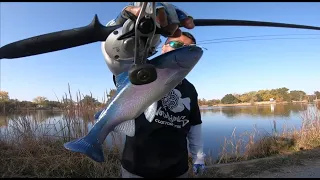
(131, 100)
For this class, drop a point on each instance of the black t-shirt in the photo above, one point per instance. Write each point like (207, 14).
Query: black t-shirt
(159, 148)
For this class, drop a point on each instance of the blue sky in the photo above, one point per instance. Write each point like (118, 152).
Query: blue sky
(233, 67)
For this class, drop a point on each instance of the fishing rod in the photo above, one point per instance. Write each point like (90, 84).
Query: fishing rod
(143, 32)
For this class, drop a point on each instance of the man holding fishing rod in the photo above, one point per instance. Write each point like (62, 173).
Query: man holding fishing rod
(159, 147)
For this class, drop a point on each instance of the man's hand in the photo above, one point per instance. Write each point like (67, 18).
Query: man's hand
(169, 18)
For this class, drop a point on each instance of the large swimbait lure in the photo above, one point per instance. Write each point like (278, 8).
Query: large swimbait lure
(132, 100)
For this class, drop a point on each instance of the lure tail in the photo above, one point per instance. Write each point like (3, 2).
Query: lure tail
(85, 145)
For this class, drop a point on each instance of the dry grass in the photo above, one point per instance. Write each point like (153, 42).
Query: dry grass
(29, 151)
(48, 158)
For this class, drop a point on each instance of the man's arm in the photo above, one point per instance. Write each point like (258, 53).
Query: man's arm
(196, 144)
(195, 133)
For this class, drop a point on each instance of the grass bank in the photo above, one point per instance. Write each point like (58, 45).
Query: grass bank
(32, 149)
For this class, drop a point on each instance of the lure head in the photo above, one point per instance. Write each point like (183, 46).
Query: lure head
(172, 67)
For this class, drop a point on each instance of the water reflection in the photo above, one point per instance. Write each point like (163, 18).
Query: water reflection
(39, 115)
(271, 110)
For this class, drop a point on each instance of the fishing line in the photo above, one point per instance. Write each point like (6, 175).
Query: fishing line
(240, 40)
(243, 40)
(266, 35)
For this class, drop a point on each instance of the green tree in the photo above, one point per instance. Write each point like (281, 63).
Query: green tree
(257, 98)
(266, 95)
(297, 95)
(283, 94)
(229, 99)
(245, 97)
(251, 96)
(236, 96)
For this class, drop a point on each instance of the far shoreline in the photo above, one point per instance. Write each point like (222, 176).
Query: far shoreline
(252, 104)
